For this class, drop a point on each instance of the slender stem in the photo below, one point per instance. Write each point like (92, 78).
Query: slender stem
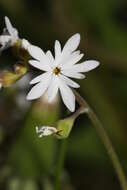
(105, 139)
(60, 164)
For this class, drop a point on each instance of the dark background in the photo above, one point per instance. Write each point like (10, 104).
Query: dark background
(29, 163)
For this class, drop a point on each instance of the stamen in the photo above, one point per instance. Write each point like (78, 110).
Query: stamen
(56, 71)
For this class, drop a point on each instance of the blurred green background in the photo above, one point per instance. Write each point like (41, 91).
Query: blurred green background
(29, 163)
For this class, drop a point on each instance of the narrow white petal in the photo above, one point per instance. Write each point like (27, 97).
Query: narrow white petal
(67, 58)
(45, 130)
(37, 53)
(57, 49)
(69, 82)
(76, 52)
(53, 88)
(25, 44)
(39, 89)
(50, 56)
(36, 92)
(72, 74)
(36, 79)
(72, 44)
(39, 78)
(4, 39)
(6, 46)
(8, 25)
(67, 96)
(40, 65)
(12, 31)
(85, 66)
(73, 60)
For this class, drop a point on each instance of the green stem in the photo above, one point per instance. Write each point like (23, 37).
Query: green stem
(106, 141)
(60, 164)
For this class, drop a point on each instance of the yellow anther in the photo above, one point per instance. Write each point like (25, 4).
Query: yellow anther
(56, 71)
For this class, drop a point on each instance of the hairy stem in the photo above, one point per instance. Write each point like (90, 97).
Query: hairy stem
(106, 141)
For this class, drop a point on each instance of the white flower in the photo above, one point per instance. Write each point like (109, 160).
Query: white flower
(57, 70)
(46, 131)
(10, 36)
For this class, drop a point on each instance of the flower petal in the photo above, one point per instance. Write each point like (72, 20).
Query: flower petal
(12, 31)
(5, 42)
(50, 56)
(72, 44)
(37, 53)
(40, 65)
(46, 131)
(39, 78)
(57, 49)
(72, 74)
(73, 60)
(53, 88)
(69, 82)
(25, 44)
(67, 96)
(40, 88)
(68, 57)
(85, 66)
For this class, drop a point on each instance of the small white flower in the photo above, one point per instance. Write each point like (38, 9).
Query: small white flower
(57, 70)
(10, 36)
(46, 131)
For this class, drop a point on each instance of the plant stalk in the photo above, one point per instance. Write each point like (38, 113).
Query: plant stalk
(60, 164)
(106, 141)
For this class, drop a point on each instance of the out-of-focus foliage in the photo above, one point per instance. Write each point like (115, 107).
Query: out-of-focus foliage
(27, 162)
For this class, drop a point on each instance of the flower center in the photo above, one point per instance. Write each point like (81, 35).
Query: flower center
(56, 71)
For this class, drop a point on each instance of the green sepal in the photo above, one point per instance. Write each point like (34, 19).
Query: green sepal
(64, 127)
